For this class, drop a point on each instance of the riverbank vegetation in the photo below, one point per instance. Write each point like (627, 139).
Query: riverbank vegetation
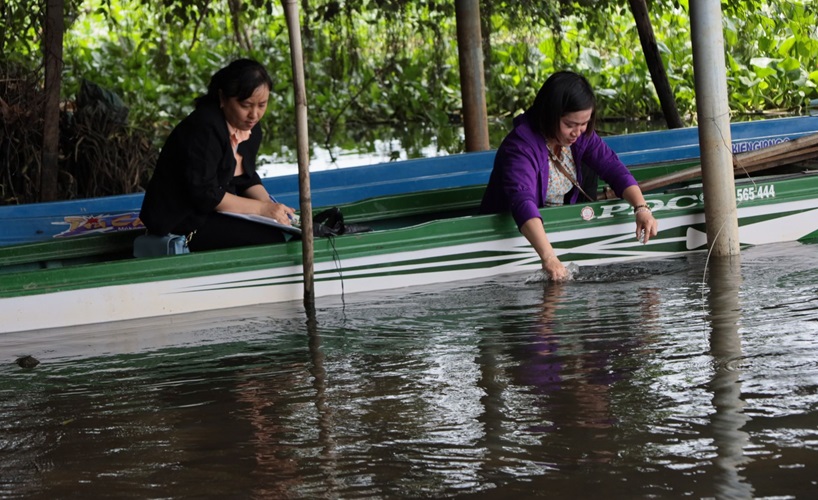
(384, 69)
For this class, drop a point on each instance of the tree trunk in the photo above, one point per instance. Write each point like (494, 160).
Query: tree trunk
(486, 12)
(654, 62)
(308, 38)
(49, 169)
(242, 39)
(472, 79)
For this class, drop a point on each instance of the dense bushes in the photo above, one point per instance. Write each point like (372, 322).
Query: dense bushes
(385, 69)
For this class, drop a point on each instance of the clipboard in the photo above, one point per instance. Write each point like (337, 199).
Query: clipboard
(267, 221)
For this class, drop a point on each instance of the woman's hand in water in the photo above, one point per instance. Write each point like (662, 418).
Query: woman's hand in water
(554, 268)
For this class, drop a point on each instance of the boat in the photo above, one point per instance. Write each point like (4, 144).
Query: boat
(648, 154)
(419, 238)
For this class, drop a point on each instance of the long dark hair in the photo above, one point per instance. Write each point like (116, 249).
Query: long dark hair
(238, 79)
(563, 92)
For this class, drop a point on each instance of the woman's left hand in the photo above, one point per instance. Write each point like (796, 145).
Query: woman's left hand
(646, 226)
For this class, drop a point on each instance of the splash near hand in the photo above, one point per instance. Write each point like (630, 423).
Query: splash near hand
(543, 276)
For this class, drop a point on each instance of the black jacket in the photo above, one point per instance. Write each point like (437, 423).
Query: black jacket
(195, 169)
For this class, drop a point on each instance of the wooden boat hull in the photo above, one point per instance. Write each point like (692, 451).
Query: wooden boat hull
(405, 255)
(641, 151)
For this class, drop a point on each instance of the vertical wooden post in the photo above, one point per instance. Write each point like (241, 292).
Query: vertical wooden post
(52, 55)
(472, 79)
(715, 139)
(303, 151)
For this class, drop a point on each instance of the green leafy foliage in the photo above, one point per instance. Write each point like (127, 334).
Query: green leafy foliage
(380, 69)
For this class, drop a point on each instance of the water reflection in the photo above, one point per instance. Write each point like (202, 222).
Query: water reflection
(726, 422)
(571, 372)
(260, 400)
(558, 386)
(328, 455)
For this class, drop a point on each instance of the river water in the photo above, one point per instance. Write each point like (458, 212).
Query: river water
(673, 378)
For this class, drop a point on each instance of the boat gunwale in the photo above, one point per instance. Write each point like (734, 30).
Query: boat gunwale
(456, 231)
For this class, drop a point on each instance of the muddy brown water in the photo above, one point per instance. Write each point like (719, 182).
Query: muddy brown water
(656, 379)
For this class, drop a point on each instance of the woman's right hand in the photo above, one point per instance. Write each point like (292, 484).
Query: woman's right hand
(278, 211)
(556, 271)
(534, 232)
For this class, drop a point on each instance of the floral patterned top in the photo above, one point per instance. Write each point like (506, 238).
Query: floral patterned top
(559, 184)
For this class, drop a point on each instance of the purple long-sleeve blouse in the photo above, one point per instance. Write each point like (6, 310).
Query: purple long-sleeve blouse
(519, 179)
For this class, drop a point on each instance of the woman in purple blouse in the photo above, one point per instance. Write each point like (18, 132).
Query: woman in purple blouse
(537, 165)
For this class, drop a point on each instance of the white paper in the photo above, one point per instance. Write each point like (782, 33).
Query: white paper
(265, 220)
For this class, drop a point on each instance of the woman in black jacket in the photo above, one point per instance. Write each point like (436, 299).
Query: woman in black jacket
(208, 166)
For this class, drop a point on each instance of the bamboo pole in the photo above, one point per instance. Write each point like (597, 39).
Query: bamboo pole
(751, 157)
(777, 161)
(800, 149)
(303, 150)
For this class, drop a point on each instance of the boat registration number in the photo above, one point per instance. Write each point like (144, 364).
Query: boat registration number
(751, 193)
(684, 201)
